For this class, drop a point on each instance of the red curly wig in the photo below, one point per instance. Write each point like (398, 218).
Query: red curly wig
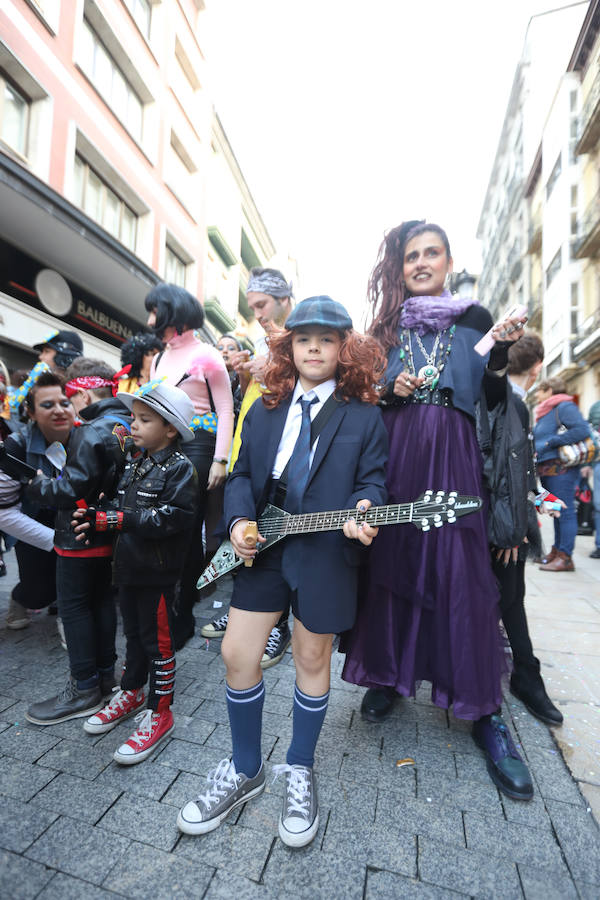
(361, 364)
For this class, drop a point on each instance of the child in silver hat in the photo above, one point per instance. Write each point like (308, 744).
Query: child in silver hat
(153, 515)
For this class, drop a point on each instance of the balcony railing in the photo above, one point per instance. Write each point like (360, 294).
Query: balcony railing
(534, 306)
(589, 120)
(588, 230)
(588, 337)
(514, 264)
(535, 233)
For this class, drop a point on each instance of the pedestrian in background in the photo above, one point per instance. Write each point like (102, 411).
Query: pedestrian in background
(269, 296)
(525, 360)
(558, 422)
(59, 350)
(594, 472)
(430, 608)
(51, 418)
(228, 346)
(198, 369)
(138, 353)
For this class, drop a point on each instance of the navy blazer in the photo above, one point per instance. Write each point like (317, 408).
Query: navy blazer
(348, 466)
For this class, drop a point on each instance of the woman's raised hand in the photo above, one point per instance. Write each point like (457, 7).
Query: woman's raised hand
(509, 329)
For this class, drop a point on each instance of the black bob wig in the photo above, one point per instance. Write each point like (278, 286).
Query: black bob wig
(175, 308)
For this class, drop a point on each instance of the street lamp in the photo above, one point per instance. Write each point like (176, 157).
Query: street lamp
(463, 284)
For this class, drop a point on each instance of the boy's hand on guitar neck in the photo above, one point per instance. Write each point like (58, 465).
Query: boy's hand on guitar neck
(363, 532)
(238, 539)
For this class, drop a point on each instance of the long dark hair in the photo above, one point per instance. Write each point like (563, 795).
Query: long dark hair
(174, 307)
(386, 291)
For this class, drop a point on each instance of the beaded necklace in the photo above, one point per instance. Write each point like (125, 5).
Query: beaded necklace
(433, 367)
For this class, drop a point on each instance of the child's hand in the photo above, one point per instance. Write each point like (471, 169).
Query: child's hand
(239, 544)
(363, 532)
(80, 525)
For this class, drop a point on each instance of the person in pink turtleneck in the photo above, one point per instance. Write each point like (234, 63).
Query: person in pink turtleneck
(198, 369)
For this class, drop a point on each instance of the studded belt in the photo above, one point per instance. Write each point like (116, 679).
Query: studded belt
(424, 396)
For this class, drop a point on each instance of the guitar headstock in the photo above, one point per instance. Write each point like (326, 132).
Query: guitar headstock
(440, 507)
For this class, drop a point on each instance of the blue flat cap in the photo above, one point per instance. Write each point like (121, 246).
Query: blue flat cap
(321, 310)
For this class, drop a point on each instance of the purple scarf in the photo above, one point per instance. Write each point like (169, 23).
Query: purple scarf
(433, 313)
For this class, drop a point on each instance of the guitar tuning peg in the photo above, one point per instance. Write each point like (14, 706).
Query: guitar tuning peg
(451, 500)
(425, 525)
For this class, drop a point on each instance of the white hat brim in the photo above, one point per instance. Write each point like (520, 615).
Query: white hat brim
(127, 399)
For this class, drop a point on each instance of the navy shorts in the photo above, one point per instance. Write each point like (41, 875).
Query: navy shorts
(262, 587)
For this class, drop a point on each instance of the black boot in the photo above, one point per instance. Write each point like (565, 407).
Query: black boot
(527, 685)
(504, 764)
(377, 703)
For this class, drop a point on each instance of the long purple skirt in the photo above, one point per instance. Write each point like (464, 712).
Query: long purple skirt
(429, 610)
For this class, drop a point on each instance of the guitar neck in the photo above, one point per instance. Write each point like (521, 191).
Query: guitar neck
(332, 520)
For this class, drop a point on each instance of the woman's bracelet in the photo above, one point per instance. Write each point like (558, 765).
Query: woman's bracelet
(223, 462)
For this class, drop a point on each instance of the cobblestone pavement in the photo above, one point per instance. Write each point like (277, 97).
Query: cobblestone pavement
(73, 824)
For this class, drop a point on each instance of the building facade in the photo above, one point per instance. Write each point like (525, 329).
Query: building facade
(107, 158)
(585, 64)
(531, 222)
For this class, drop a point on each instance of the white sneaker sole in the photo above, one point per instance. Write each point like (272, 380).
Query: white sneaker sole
(267, 661)
(18, 624)
(208, 632)
(91, 728)
(143, 754)
(291, 839)
(196, 828)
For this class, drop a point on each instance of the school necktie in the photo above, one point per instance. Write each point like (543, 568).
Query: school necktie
(299, 466)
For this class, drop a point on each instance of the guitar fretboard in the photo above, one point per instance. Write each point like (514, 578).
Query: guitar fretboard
(331, 520)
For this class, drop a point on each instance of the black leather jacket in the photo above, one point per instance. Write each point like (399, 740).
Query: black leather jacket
(159, 498)
(96, 457)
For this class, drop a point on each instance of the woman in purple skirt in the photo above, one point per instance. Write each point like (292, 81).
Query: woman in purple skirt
(429, 610)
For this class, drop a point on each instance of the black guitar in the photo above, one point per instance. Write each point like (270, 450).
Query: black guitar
(275, 524)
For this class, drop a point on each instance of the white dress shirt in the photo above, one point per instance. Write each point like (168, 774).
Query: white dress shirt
(291, 429)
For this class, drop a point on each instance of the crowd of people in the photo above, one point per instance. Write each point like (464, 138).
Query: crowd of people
(140, 474)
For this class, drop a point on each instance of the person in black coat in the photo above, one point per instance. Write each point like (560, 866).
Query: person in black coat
(525, 360)
(96, 457)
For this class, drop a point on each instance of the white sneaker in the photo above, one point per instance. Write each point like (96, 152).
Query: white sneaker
(299, 820)
(17, 616)
(226, 790)
(216, 628)
(121, 706)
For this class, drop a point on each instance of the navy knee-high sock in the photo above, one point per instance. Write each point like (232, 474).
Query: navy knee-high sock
(309, 715)
(245, 720)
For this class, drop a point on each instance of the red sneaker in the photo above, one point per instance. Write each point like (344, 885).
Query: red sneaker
(123, 705)
(153, 729)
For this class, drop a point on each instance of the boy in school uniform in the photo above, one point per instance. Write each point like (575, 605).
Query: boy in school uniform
(153, 517)
(317, 363)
